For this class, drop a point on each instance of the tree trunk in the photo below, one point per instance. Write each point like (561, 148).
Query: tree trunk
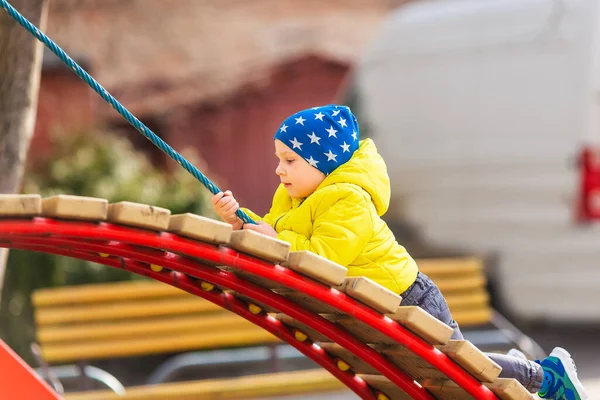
(20, 70)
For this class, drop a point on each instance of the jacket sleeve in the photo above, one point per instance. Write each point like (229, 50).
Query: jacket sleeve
(341, 229)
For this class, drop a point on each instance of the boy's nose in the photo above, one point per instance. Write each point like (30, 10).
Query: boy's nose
(279, 170)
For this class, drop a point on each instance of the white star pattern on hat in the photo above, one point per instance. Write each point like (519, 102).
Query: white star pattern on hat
(314, 138)
(331, 156)
(312, 161)
(319, 116)
(300, 120)
(335, 113)
(296, 144)
(346, 147)
(331, 132)
(342, 122)
(354, 135)
(283, 128)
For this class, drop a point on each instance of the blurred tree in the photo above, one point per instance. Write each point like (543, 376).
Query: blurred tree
(97, 165)
(20, 70)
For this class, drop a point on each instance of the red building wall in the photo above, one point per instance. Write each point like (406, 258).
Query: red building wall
(235, 138)
(65, 104)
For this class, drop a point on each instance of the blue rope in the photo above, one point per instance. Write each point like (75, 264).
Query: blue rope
(137, 124)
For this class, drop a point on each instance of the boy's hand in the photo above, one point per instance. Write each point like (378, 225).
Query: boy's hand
(262, 227)
(225, 206)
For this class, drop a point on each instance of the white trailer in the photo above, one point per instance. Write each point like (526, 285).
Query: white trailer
(481, 108)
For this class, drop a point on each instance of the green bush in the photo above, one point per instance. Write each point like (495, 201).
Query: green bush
(98, 165)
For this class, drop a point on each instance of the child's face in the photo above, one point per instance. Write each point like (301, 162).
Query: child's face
(298, 176)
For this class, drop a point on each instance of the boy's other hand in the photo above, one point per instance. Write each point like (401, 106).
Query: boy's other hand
(261, 227)
(225, 206)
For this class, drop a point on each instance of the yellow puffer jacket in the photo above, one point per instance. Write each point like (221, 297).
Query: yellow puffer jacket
(341, 221)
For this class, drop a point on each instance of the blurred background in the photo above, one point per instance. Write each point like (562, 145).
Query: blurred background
(487, 114)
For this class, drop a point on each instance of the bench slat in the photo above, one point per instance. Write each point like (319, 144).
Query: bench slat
(155, 345)
(247, 387)
(461, 284)
(131, 309)
(147, 327)
(473, 317)
(104, 292)
(450, 266)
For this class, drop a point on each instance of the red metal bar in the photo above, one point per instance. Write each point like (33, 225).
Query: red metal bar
(221, 278)
(175, 244)
(222, 299)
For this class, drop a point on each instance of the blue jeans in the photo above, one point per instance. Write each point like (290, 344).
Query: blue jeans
(425, 294)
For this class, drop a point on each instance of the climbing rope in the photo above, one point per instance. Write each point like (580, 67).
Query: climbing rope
(136, 123)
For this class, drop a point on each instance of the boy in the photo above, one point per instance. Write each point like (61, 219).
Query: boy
(334, 190)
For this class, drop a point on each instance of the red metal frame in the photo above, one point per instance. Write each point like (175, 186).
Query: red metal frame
(230, 281)
(19, 381)
(46, 231)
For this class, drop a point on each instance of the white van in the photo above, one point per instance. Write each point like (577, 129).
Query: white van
(481, 109)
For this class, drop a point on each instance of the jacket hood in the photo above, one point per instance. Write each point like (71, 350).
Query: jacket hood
(366, 169)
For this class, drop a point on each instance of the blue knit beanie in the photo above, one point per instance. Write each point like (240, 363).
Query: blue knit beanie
(326, 137)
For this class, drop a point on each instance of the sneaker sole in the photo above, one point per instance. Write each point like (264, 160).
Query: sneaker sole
(567, 362)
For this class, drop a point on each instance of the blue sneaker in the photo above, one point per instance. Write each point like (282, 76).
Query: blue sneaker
(560, 377)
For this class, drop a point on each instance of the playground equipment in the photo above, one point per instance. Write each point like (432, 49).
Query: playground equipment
(351, 326)
(383, 350)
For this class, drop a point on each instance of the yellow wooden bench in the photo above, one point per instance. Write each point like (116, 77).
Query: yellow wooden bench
(463, 282)
(137, 318)
(99, 321)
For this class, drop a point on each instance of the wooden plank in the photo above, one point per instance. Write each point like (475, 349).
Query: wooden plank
(505, 389)
(259, 245)
(308, 302)
(75, 207)
(311, 333)
(356, 364)
(360, 330)
(472, 360)
(413, 365)
(371, 293)
(104, 292)
(123, 310)
(262, 386)
(385, 386)
(200, 228)
(166, 325)
(423, 324)
(20, 205)
(143, 345)
(264, 282)
(510, 389)
(316, 267)
(139, 215)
